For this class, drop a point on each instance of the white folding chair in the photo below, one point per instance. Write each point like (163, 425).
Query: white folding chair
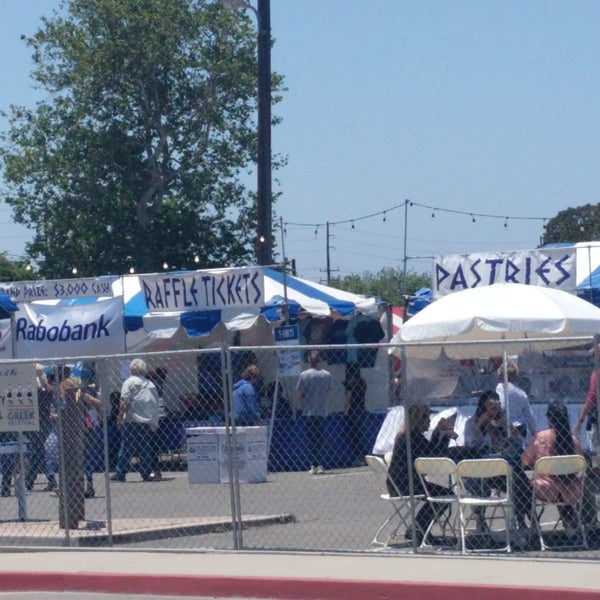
(443, 470)
(476, 478)
(556, 466)
(401, 505)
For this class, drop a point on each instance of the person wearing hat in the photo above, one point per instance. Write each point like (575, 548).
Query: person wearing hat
(138, 420)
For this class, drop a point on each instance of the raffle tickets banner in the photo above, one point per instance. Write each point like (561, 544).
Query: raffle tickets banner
(48, 331)
(204, 290)
(18, 398)
(553, 267)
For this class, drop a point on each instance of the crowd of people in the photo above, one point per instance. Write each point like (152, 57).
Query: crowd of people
(503, 425)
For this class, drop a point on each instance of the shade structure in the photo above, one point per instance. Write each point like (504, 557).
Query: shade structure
(183, 329)
(503, 314)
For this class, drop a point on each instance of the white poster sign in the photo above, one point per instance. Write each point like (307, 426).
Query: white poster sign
(59, 289)
(5, 339)
(552, 267)
(18, 398)
(89, 329)
(289, 361)
(204, 290)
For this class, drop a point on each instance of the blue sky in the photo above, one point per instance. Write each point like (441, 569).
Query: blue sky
(482, 108)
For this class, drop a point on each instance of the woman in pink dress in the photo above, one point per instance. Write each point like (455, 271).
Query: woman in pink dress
(556, 441)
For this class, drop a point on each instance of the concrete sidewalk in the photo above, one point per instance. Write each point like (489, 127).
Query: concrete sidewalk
(298, 575)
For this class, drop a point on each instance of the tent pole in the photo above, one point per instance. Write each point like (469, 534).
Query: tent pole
(286, 308)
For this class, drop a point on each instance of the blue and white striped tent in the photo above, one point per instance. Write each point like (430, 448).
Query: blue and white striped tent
(152, 330)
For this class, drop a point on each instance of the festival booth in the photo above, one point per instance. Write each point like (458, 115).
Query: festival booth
(490, 323)
(209, 309)
(161, 314)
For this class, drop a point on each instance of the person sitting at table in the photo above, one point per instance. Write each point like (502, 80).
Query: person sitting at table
(556, 441)
(486, 431)
(420, 446)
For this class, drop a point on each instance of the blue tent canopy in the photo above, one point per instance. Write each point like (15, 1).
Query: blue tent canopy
(7, 306)
(312, 298)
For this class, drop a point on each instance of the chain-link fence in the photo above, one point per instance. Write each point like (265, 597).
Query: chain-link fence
(264, 448)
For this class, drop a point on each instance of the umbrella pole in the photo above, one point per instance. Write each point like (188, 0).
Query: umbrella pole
(506, 403)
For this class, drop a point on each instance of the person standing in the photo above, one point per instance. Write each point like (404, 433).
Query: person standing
(355, 413)
(138, 420)
(246, 407)
(314, 386)
(515, 403)
(589, 413)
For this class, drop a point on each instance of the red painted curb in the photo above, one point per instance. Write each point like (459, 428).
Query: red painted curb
(281, 588)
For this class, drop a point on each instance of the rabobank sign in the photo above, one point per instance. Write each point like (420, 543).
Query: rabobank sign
(67, 332)
(52, 331)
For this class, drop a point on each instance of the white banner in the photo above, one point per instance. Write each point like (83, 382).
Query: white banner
(18, 398)
(204, 290)
(5, 339)
(89, 329)
(553, 267)
(58, 289)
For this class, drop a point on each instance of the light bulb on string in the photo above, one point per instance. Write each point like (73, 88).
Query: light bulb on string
(316, 231)
(352, 224)
(433, 214)
(473, 219)
(384, 217)
(505, 222)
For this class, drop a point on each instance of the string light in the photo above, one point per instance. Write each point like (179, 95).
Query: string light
(434, 210)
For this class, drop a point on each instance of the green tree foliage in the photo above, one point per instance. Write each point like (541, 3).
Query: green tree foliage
(387, 284)
(14, 271)
(139, 152)
(581, 224)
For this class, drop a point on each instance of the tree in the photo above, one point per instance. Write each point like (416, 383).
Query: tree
(137, 156)
(581, 224)
(387, 284)
(14, 271)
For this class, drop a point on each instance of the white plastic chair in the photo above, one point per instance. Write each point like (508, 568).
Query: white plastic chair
(444, 470)
(401, 505)
(575, 466)
(473, 474)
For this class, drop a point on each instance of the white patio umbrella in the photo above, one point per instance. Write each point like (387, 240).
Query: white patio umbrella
(497, 320)
(506, 316)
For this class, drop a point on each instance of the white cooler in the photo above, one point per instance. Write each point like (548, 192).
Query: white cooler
(208, 454)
